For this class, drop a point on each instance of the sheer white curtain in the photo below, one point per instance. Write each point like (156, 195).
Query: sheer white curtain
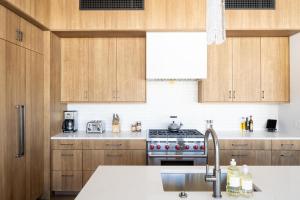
(215, 21)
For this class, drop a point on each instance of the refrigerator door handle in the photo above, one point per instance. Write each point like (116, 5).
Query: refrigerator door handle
(21, 131)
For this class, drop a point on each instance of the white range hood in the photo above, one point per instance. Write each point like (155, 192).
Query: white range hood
(176, 55)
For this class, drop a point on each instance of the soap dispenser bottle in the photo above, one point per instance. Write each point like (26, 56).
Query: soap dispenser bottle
(246, 182)
(233, 179)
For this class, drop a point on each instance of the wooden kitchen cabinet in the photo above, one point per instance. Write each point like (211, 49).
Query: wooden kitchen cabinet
(102, 69)
(66, 181)
(275, 71)
(285, 158)
(131, 70)
(2, 22)
(288, 145)
(218, 85)
(12, 27)
(66, 144)
(66, 160)
(242, 144)
(75, 70)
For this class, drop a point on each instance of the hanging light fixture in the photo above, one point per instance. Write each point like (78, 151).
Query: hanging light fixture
(215, 21)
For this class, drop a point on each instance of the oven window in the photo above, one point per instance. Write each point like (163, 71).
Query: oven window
(177, 163)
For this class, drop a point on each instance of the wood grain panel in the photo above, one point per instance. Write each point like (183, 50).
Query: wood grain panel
(125, 157)
(285, 145)
(12, 25)
(246, 69)
(286, 158)
(91, 159)
(74, 75)
(102, 69)
(242, 144)
(40, 11)
(86, 175)
(66, 181)
(66, 144)
(218, 85)
(114, 144)
(131, 70)
(275, 69)
(66, 160)
(2, 22)
(242, 157)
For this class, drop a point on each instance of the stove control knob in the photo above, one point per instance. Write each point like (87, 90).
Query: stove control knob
(167, 146)
(158, 146)
(202, 147)
(151, 146)
(177, 147)
(187, 147)
(196, 147)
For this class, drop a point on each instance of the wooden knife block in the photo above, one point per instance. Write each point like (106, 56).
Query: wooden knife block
(116, 128)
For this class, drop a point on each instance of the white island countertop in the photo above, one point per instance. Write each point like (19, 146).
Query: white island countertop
(108, 135)
(222, 135)
(144, 182)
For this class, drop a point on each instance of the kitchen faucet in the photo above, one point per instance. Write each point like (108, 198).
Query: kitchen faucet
(216, 176)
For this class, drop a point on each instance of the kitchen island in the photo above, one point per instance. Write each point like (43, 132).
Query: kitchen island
(144, 182)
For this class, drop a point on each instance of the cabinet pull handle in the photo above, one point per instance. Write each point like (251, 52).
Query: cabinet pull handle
(21, 36)
(239, 145)
(17, 34)
(114, 145)
(282, 145)
(67, 144)
(282, 155)
(21, 132)
(230, 94)
(114, 155)
(239, 155)
(263, 94)
(233, 94)
(65, 155)
(67, 175)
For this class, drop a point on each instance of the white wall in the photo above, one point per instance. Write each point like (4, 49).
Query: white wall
(175, 98)
(290, 114)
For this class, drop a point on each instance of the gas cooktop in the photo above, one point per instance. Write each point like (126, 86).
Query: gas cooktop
(183, 133)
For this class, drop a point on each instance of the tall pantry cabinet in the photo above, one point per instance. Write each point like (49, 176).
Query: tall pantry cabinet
(21, 119)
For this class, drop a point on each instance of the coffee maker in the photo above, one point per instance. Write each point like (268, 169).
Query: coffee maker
(70, 123)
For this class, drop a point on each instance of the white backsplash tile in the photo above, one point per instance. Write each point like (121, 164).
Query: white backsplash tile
(175, 98)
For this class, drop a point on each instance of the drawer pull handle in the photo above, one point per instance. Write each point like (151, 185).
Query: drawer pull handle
(67, 144)
(65, 155)
(287, 145)
(66, 175)
(239, 145)
(286, 155)
(239, 155)
(114, 145)
(116, 155)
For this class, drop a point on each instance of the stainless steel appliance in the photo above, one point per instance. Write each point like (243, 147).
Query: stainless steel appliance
(70, 123)
(96, 126)
(185, 147)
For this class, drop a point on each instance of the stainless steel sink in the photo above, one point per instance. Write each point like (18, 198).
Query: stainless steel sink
(191, 182)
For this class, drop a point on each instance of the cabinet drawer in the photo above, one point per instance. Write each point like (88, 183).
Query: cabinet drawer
(124, 157)
(285, 145)
(66, 160)
(114, 144)
(253, 157)
(92, 159)
(285, 158)
(242, 144)
(86, 175)
(66, 181)
(66, 144)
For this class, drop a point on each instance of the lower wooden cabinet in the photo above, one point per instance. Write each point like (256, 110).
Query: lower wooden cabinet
(286, 158)
(66, 160)
(66, 181)
(86, 175)
(242, 157)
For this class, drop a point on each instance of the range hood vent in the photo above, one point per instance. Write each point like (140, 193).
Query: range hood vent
(111, 4)
(250, 4)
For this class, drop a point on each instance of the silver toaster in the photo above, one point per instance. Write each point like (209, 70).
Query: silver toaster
(96, 126)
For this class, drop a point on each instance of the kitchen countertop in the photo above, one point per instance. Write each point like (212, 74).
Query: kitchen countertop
(223, 135)
(144, 182)
(108, 135)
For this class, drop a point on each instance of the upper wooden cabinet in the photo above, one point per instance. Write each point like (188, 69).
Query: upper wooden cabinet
(103, 70)
(247, 69)
(275, 84)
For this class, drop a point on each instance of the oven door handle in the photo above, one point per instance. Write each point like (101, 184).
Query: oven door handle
(177, 156)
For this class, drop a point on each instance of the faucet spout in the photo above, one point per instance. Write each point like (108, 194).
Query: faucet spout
(216, 176)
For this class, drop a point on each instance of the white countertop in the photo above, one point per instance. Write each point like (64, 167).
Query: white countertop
(144, 182)
(108, 135)
(223, 135)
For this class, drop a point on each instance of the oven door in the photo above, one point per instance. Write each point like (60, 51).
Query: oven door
(176, 160)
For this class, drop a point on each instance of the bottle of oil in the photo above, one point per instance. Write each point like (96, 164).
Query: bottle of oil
(246, 182)
(251, 124)
(242, 126)
(233, 179)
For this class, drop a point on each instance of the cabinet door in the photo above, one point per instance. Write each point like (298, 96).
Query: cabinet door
(15, 95)
(2, 22)
(218, 85)
(25, 30)
(246, 69)
(74, 74)
(102, 70)
(286, 158)
(12, 27)
(131, 72)
(124, 157)
(275, 69)
(34, 124)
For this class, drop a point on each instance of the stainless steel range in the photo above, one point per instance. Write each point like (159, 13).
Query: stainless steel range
(184, 147)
